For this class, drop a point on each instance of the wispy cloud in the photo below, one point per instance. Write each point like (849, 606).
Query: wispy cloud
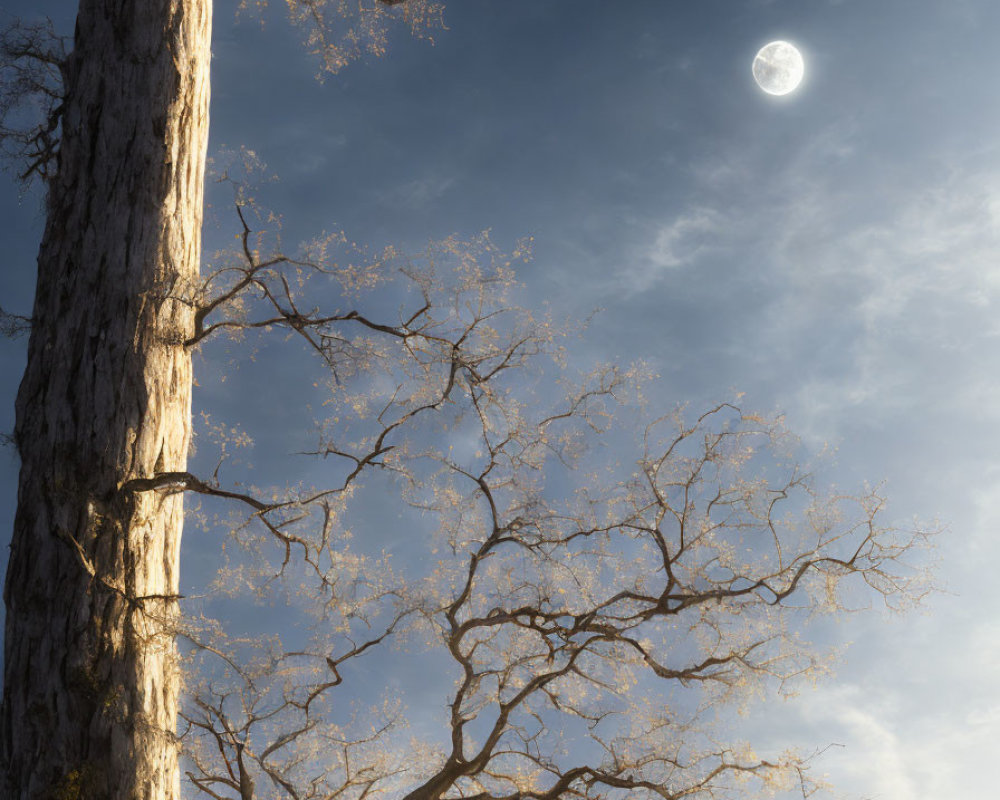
(419, 191)
(876, 290)
(912, 297)
(672, 244)
(911, 741)
(875, 760)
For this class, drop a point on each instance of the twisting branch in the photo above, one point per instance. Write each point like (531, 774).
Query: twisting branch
(13, 326)
(692, 542)
(588, 618)
(32, 75)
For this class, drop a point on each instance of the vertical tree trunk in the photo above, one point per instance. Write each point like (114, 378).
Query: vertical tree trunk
(90, 685)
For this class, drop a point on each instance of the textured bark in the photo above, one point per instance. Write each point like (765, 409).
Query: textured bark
(90, 685)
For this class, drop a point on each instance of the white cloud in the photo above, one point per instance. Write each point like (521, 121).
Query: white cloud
(875, 294)
(880, 748)
(897, 743)
(915, 716)
(899, 294)
(675, 244)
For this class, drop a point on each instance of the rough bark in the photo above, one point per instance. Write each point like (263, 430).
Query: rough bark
(90, 685)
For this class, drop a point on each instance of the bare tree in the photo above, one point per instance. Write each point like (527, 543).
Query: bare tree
(588, 616)
(119, 135)
(592, 617)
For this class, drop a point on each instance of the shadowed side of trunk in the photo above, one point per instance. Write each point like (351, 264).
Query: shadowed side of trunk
(90, 687)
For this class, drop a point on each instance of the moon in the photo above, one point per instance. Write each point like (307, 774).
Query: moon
(778, 68)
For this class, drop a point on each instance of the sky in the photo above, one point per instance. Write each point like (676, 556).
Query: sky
(834, 254)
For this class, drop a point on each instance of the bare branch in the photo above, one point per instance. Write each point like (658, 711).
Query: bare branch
(32, 74)
(13, 326)
(578, 608)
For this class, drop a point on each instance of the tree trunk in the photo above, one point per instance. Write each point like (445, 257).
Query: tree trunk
(90, 683)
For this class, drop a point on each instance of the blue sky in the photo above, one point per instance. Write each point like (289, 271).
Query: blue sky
(833, 254)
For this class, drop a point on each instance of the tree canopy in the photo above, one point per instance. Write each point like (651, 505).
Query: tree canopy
(592, 579)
